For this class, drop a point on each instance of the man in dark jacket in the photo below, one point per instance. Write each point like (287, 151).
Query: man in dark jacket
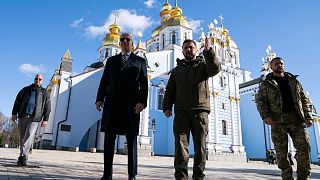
(283, 104)
(32, 105)
(122, 93)
(188, 90)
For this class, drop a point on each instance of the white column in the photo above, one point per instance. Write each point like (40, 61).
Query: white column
(216, 118)
(145, 122)
(216, 145)
(234, 146)
(144, 139)
(232, 121)
(232, 99)
(236, 84)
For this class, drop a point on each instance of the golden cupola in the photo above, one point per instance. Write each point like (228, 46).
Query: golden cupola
(112, 38)
(165, 10)
(176, 18)
(176, 11)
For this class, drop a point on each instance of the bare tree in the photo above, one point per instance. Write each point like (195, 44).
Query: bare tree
(9, 132)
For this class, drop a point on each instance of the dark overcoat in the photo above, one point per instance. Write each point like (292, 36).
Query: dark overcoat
(121, 88)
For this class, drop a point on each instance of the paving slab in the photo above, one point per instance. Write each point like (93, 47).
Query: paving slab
(64, 165)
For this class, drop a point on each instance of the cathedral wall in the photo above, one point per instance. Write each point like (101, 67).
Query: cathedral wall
(82, 113)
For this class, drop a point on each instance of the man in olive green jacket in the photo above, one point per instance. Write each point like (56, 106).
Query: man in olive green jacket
(283, 104)
(188, 90)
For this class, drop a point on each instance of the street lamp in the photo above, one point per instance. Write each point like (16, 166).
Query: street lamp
(153, 128)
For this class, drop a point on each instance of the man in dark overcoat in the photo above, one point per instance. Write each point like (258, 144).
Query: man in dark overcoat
(122, 94)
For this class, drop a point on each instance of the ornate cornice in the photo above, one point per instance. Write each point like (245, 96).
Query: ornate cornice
(231, 98)
(215, 93)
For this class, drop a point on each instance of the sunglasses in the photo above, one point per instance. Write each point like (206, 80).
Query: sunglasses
(127, 39)
(37, 79)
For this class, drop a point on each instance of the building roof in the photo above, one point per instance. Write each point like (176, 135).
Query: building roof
(252, 82)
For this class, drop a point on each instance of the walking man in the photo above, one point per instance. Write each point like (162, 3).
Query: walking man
(188, 90)
(283, 104)
(122, 94)
(32, 105)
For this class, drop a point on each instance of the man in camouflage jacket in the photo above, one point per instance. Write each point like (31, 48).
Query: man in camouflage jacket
(283, 104)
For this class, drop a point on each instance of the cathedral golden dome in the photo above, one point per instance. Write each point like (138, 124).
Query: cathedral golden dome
(176, 11)
(177, 21)
(112, 38)
(230, 42)
(176, 18)
(166, 8)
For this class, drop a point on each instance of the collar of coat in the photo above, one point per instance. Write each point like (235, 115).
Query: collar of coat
(270, 76)
(184, 62)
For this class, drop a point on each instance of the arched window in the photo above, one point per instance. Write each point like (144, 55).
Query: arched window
(162, 41)
(185, 36)
(107, 53)
(224, 127)
(173, 37)
(160, 98)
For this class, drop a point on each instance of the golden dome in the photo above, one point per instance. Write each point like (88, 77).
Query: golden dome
(225, 32)
(176, 11)
(112, 38)
(176, 21)
(231, 42)
(166, 8)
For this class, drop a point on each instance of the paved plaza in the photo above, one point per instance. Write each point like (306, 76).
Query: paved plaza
(52, 164)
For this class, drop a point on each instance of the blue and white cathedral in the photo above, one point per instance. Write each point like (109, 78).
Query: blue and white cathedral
(74, 123)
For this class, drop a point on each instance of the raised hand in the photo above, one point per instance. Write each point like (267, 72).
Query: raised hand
(206, 44)
(139, 107)
(168, 113)
(268, 120)
(99, 105)
(14, 118)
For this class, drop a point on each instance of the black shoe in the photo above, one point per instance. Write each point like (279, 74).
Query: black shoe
(132, 178)
(22, 161)
(106, 178)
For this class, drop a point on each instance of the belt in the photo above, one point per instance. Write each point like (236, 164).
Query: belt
(27, 116)
(289, 114)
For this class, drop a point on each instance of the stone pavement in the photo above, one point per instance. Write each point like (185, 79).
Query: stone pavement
(52, 164)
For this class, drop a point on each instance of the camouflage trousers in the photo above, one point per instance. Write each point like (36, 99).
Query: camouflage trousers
(185, 122)
(292, 125)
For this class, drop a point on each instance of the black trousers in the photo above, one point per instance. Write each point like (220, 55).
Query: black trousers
(109, 143)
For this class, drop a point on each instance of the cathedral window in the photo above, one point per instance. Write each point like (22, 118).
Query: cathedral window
(224, 127)
(222, 81)
(160, 98)
(223, 106)
(173, 37)
(185, 36)
(162, 41)
(107, 53)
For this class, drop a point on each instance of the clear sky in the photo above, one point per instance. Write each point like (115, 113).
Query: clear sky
(35, 34)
